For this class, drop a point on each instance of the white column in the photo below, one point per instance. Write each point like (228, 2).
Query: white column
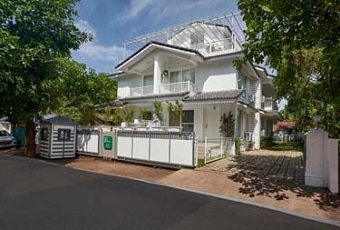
(157, 71)
(314, 175)
(257, 128)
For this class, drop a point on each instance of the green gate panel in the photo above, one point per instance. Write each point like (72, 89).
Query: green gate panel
(108, 140)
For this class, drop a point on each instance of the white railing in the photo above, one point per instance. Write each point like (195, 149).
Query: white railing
(219, 46)
(267, 103)
(176, 87)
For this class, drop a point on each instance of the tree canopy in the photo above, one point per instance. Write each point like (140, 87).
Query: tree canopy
(300, 39)
(36, 72)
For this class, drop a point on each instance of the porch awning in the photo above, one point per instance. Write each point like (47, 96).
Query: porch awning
(215, 96)
(274, 114)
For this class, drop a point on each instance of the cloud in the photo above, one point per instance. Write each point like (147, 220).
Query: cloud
(96, 55)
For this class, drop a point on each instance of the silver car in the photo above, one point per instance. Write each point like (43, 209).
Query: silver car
(7, 140)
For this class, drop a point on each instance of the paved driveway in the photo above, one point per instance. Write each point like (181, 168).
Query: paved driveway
(40, 195)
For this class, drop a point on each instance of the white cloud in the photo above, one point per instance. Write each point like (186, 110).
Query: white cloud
(85, 26)
(94, 54)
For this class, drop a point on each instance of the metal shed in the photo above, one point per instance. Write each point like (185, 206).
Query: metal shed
(57, 137)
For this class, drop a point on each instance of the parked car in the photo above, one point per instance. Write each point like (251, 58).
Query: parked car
(7, 140)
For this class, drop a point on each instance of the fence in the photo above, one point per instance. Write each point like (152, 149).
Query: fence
(171, 148)
(212, 149)
(88, 141)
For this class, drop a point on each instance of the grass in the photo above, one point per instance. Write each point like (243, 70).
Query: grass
(285, 146)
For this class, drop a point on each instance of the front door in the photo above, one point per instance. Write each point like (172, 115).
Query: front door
(212, 122)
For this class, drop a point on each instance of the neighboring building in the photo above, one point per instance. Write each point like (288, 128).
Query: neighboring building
(194, 64)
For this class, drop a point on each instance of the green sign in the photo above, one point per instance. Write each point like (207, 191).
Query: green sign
(108, 142)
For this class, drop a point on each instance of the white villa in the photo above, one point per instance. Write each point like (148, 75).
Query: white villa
(194, 65)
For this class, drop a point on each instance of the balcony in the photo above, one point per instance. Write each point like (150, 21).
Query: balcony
(177, 87)
(268, 104)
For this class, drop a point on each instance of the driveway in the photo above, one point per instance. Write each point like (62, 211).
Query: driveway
(39, 195)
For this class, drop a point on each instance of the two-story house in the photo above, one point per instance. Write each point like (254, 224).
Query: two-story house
(194, 64)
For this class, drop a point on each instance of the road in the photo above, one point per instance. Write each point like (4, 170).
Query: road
(40, 195)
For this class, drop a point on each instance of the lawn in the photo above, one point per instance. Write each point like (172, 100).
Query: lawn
(284, 146)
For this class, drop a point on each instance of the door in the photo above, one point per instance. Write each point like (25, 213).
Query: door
(212, 122)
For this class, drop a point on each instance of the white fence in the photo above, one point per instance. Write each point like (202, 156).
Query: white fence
(212, 149)
(88, 141)
(173, 148)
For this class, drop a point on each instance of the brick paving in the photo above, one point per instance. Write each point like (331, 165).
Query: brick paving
(278, 165)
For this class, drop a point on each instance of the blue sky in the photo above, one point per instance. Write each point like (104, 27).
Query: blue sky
(113, 22)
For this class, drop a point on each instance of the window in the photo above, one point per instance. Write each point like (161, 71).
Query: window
(44, 134)
(147, 115)
(64, 134)
(189, 75)
(197, 38)
(188, 120)
(175, 76)
(148, 80)
(182, 76)
(241, 81)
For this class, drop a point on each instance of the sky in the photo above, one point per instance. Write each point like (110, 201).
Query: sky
(113, 22)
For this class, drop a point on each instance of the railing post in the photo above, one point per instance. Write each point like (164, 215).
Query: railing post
(188, 85)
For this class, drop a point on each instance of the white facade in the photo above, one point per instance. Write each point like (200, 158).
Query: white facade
(203, 79)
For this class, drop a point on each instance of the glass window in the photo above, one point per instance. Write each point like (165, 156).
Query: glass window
(189, 75)
(64, 134)
(148, 80)
(44, 134)
(241, 80)
(188, 120)
(175, 77)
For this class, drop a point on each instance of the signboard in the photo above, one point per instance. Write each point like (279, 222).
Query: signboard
(108, 142)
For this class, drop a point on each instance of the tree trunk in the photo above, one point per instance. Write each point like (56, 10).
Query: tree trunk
(30, 138)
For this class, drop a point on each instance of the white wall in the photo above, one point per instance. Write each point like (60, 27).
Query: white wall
(216, 76)
(128, 82)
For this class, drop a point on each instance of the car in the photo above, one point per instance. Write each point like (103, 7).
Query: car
(7, 140)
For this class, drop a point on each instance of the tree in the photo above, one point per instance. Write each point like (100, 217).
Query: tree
(33, 34)
(77, 91)
(158, 110)
(176, 112)
(298, 38)
(227, 125)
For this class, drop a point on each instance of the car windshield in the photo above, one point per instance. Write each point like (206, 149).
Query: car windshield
(4, 133)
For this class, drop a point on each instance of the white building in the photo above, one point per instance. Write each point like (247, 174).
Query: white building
(194, 64)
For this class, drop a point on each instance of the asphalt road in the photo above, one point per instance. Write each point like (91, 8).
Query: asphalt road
(39, 195)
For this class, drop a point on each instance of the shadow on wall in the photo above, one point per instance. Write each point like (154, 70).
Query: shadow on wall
(273, 176)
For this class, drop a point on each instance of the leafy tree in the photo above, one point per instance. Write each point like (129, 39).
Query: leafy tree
(227, 125)
(299, 38)
(158, 110)
(176, 112)
(33, 34)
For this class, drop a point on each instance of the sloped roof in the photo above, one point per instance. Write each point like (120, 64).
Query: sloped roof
(215, 95)
(56, 119)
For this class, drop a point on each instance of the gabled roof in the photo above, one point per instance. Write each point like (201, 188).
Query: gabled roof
(215, 95)
(153, 45)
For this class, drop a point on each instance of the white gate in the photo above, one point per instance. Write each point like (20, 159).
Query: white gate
(173, 148)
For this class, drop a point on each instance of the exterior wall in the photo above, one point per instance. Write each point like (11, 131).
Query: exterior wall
(63, 149)
(128, 82)
(216, 76)
(44, 145)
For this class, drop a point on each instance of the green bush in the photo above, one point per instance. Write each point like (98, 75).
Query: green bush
(238, 144)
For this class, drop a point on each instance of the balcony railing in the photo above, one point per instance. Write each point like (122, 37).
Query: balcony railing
(170, 88)
(269, 104)
(177, 87)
